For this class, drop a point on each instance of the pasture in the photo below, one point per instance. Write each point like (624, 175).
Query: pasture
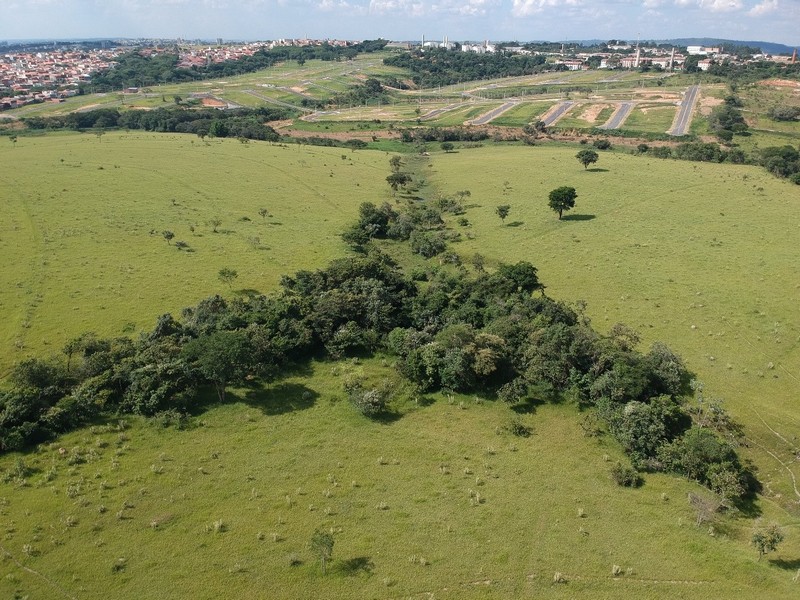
(82, 239)
(696, 255)
(442, 500)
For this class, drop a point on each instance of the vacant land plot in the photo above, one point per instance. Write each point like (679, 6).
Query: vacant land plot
(527, 112)
(651, 119)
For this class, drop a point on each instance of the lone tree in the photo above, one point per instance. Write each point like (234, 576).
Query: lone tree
(502, 211)
(587, 157)
(447, 146)
(396, 180)
(322, 546)
(215, 222)
(395, 163)
(766, 539)
(168, 235)
(263, 212)
(227, 276)
(561, 199)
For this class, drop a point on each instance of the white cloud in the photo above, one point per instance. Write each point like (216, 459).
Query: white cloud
(526, 8)
(341, 5)
(406, 7)
(763, 8)
(720, 5)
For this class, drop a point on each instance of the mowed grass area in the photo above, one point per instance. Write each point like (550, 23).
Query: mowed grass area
(702, 257)
(82, 240)
(440, 503)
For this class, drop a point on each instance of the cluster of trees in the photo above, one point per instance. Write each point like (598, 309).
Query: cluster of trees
(370, 91)
(442, 67)
(247, 123)
(139, 70)
(495, 334)
(781, 161)
(726, 119)
(443, 134)
(754, 71)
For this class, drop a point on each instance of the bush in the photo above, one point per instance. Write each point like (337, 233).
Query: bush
(625, 476)
(602, 144)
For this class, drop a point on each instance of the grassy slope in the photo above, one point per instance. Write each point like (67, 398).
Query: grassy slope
(690, 244)
(696, 255)
(77, 243)
(397, 495)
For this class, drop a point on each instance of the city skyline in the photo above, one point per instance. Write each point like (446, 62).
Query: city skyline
(762, 20)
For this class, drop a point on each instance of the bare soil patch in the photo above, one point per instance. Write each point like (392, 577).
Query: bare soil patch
(592, 111)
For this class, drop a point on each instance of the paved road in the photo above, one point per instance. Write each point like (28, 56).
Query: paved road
(559, 112)
(619, 116)
(492, 114)
(435, 113)
(685, 113)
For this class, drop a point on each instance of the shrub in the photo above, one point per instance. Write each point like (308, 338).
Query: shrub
(625, 476)
(602, 144)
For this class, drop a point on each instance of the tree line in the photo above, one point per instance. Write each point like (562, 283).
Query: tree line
(435, 66)
(140, 70)
(492, 333)
(249, 123)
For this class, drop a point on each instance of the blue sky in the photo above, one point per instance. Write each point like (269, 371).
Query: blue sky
(768, 20)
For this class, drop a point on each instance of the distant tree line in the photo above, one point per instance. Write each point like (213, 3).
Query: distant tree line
(443, 67)
(370, 91)
(138, 70)
(247, 123)
(754, 71)
(781, 161)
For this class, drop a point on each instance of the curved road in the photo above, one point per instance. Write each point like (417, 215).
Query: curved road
(685, 114)
(556, 114)
(619, 116)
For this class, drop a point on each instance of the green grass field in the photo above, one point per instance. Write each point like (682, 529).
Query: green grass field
(440, 502)
(437, 503)
(692, 254)
(652, 119)
(84, 219)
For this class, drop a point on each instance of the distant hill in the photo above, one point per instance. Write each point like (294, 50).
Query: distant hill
(766, 47)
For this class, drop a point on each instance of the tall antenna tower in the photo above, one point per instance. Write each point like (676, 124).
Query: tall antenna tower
(638, 51)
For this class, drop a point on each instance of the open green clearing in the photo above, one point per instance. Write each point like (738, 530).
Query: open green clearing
(696, 255)
(82, 238)
(652, 118)
(699, 256)
(521, 115)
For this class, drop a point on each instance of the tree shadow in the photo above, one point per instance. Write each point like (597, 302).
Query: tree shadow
(782, 563)
(468, 206)
(527, 407)
(596, 170)
(387, 417)
(515, 224)
(281, 398)
(578, 217)
(249, 293)
(353, 567)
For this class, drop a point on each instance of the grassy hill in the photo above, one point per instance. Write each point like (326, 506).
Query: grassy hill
(443, 500)
(85, 216)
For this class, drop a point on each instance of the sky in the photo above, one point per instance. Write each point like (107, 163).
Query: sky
(498, 20)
